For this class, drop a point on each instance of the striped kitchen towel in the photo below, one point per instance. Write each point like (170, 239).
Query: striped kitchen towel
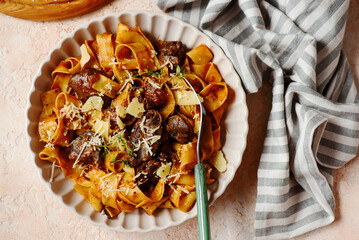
(313, 126)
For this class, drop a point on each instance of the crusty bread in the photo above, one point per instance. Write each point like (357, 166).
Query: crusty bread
(48, 10)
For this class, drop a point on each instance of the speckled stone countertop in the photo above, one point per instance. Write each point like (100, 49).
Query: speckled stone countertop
(29, 211)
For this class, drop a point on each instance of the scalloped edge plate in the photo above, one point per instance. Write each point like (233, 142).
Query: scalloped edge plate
(155, 26)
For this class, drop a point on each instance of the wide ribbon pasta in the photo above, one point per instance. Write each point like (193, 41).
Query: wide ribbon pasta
(122, 123)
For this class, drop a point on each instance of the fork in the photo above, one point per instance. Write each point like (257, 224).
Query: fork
(200, 179)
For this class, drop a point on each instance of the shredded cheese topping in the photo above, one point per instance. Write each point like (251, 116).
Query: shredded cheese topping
(71, 112)
(148, 148)
(80, 153)
(167, 62)
(183, 189)
(176, 176)
(129, 76)
(108, 86)
(50, 145)
(153, 84)
(154, 139)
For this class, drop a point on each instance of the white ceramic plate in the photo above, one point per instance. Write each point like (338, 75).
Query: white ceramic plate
(155, 26)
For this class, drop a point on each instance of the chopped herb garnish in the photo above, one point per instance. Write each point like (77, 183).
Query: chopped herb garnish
(124, 143)
(122, 140)
(179, 72)
(116, 160)
(129, 151)
(113, 161)
(135, 75)
(155, 74)
(125, 162)
(178, 69)
(105, 148)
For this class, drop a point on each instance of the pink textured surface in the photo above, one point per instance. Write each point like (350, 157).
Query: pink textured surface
(29, 211)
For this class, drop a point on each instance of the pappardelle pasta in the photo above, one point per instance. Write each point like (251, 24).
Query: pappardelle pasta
(122, 123)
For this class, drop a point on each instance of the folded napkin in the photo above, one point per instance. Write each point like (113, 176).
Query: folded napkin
(313, 126)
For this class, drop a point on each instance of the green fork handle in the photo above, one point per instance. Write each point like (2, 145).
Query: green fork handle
(202, 203)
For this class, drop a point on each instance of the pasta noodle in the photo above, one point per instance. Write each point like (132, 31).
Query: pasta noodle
(122, 123)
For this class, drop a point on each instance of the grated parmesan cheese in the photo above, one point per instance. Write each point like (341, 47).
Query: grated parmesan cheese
(167, 62)
(183, 189)
(71, 112)
(174, 189)
(153, 84)
(219, 162)
(85, 56)
(93, 103)
(148, 148)
(137, 146)
(123, 86)
(146, 129)
(50, 133)
(106, 175)
(176, 87)
(129, 76)
(78, 156)
(108, 86)
(135, 108)
(164, 170)
(185, 98)
(177, 176)
(115, 144)
(137, 175)
(142, 125)
(82, 172)
(50, 145)
(95, 141)
(101, 128)
(154, 139)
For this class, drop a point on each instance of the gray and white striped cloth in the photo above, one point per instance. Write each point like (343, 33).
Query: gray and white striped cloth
(313, 126)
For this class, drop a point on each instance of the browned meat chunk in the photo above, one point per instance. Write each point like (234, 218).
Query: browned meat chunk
(179, 129)
(128, 119)
(112, 116)
(106, 101)
(145, 137)
(154, 97)
(172, 51)
(85, 153)
(81, 83)
(147, 171)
